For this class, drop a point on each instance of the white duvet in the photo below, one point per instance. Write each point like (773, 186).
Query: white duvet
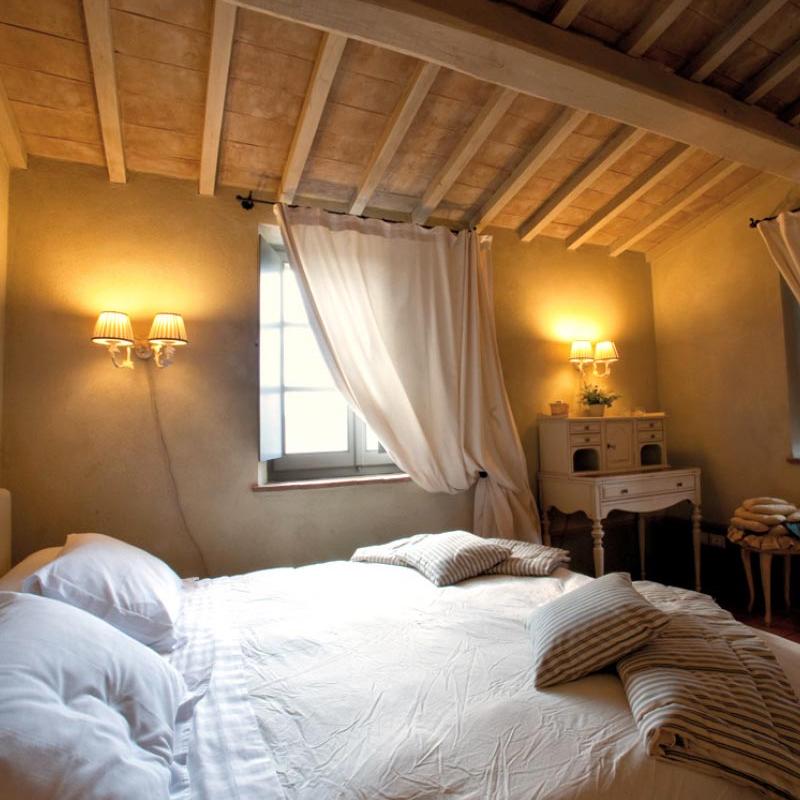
(346, 680)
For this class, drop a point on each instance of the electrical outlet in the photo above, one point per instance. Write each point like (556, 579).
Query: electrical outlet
(716, 539)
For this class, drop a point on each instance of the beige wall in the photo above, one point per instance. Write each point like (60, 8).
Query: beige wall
(545, 296)
(4, 211)
(82, 449)
(720, 355)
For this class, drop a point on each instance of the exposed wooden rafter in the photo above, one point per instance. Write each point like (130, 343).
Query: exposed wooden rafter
(688, 195)
(656, 20)
(500, 45)
(218, 68)
(568, 119)
(564, 12)
(101, 48)
(10, 138)
(498, 103)
(769, 77)
(579, 181)
(396, 129)
(709, 215)
(655, 173)
(330, 53)
(745, 24)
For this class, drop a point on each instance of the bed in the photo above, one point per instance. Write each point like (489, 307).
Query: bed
(335, 680)
(349, 680)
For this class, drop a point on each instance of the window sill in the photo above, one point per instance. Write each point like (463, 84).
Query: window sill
(333, 483)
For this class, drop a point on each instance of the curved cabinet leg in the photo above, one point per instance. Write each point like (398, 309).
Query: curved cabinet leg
(641, 522)
(599, 555)
(546, 526)
(748, 574)
(787, 580)
(766, 582)
(696, 517)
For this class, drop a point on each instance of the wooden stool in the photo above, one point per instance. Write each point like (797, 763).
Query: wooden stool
(765, 562)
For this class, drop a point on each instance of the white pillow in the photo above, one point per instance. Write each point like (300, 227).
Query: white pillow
(129, 588)
(13, 579)
(86, 713)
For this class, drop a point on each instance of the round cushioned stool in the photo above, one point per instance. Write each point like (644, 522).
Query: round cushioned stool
(765, 563)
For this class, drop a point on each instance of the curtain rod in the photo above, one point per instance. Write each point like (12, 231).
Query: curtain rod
(249, 202)
(754, 223)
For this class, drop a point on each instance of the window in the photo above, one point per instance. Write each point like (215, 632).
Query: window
(791, 332)
(307, 429)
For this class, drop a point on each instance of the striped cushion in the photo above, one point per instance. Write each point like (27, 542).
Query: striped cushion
(390, 553)
(589, 628)
(528, 559)
(446, 558)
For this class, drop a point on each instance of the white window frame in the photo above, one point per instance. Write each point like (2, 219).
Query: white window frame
(279, 465)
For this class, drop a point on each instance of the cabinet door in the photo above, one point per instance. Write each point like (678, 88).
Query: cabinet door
(619, 448)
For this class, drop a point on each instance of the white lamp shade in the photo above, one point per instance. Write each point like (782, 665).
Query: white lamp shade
(168, 329)
(580, 352)
(606, 352)
(113, 327)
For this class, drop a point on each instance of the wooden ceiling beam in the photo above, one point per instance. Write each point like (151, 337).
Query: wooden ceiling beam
(498, 103)
(218, 67)
(769, 77)
(330, 53)
(394, 133)
(101, 48)
(579, 181)
(10, 138)
(657, 171)
(658, 18)
(564, 12)
(499, 44)
(687, 195)
(550, 141)
(708, 216)
(744, 25)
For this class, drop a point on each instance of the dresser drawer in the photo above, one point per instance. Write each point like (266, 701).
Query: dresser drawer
(584, 427)
(651, 436)
(578, 439)
(653, 484)
(649, 425)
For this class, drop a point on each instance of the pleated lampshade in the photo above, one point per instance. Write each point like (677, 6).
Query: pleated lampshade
(168, 329)
(606, 351)
(113, 327)
(580, 352)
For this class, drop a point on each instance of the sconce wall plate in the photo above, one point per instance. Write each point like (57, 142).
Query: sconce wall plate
(113, 330)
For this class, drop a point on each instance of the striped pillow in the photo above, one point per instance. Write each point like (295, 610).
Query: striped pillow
(528, 559)
(446, 558)
(589, 628)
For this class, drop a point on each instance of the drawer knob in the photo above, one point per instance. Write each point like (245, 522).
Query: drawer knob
(611, 446)
(680, 483)
(652, 436)
(586, 438)
(586, 427)
(623, 491)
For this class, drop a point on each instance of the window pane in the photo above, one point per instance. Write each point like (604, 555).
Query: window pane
(315, 422)
(293, 308)
(372, 442)
(303, 364)
(269, 355)
(270, 291)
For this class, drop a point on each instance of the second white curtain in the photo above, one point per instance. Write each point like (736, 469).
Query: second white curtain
(782, 237)
(405, 319)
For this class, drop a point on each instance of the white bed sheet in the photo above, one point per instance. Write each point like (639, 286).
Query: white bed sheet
(365, 681)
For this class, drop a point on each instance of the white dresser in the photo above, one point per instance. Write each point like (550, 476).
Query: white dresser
(601, 464)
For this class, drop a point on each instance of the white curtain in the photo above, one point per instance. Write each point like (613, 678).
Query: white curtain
(404, 316)
(782, 237)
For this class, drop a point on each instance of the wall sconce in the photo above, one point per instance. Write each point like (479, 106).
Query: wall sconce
(603, 356)
(580, 354)
(114, 331)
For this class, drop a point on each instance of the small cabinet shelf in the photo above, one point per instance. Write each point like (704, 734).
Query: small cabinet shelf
(591, 445)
